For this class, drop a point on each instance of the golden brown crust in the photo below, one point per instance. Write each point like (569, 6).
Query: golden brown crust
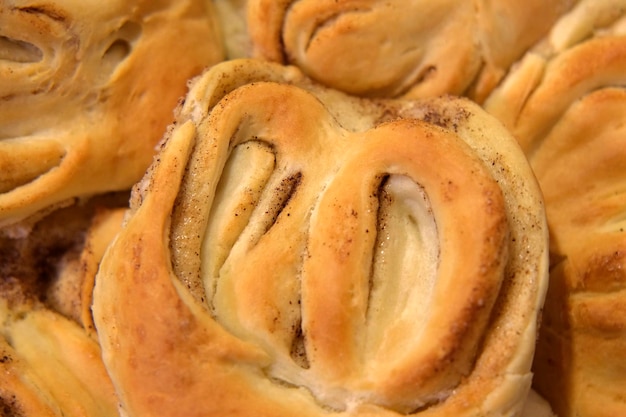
(73, 286)
(85, 94)
(392, 48)
(566, 104)
(293, 249)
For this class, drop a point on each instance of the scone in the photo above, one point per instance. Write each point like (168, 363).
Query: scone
(87, 89)
(566, 104)
(399, 48)
(297, 251)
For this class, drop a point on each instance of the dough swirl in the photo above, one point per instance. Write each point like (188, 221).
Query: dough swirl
(391, 48)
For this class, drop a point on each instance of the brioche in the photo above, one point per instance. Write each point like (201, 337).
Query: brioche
(86, 92)
(565, 102)
(391, 48)
(297, 251)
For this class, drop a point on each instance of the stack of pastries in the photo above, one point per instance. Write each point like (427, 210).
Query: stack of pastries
(312, 208)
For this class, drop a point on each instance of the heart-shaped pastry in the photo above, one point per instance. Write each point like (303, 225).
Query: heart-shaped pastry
(86, 91)
(294, 250)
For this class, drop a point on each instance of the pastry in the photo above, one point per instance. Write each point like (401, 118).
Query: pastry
(297, 251)
(391, 48)
(86, 92)
(566, 104)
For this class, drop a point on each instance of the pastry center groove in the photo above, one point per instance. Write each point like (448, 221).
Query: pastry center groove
(19, 51)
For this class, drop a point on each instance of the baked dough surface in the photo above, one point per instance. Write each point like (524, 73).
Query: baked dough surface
(50, 360)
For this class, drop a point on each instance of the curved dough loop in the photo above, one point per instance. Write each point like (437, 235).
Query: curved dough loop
(40, 348)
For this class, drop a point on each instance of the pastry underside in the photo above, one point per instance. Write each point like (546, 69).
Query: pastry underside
(565, 102)
(294, 250)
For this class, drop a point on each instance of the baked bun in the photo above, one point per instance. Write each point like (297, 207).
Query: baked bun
(416, 48)
(87, 90)
(566, 104)
(296, 251)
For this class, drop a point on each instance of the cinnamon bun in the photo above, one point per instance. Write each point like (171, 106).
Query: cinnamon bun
(295, 250)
